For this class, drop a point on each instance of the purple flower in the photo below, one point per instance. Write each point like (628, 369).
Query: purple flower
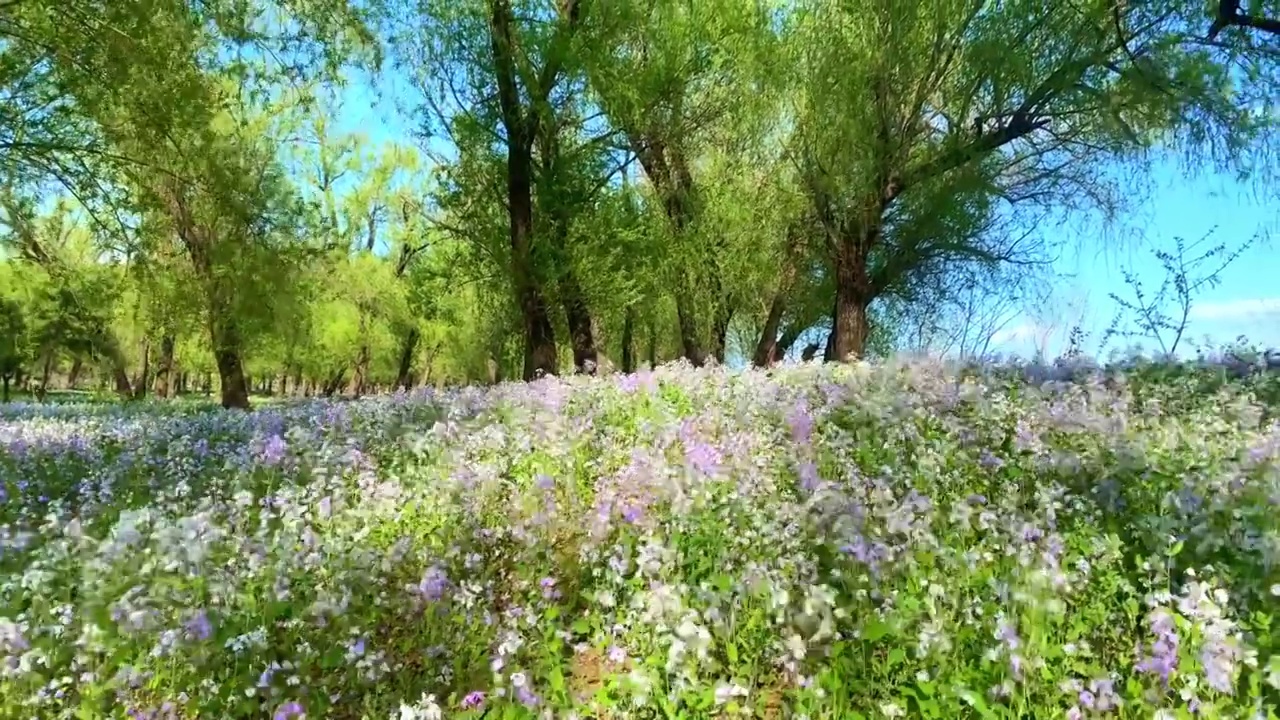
(632, 513)
(545, 482)
(199, 626)
(357, 647)
(273, 450)
(989, 460)
(702, 457)
(549, 591)
(809, 479)
(1218, 658)
(1163, 659)
(289, 711)
(526, 696)
(434, 583)
(800, 423)
(472, 700)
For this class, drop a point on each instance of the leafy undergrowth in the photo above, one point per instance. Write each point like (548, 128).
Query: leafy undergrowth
(825, 542)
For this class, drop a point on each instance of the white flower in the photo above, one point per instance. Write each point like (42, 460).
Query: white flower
(892, 710)
(1275, 589)
(726, 692)
(795, 645)
(518, 679)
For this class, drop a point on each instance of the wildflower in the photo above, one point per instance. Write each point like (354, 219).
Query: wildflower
(434, 583)
(725, 692)
(273, 451)
(892, 710)
(1163, 658)
(473, 700)
(291, 710)
(549, 591)
(199, 627)
(800, 423)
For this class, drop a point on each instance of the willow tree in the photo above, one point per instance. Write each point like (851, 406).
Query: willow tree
(1020, 102)
(672, 77)
(488, 70)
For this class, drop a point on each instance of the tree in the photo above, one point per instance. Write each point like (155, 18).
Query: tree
(907, 108)
(13, 343)
(668, 75)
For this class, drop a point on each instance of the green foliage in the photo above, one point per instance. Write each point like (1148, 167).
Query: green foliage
(188, 178)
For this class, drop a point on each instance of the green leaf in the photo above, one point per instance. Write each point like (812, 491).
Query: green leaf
(875, 630)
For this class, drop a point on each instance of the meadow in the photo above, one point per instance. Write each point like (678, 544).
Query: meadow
(904, 539)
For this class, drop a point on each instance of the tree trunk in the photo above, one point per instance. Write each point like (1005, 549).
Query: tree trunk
(689, 341)
(788, 339)
(520, 120)
(44, 375)
(164, 387)
(849, 324)
(628, 340)
(720, 330)
(652, 352)
(77, 365)
(665, 166)
(767, 352)
(335, 382)
(4, 380)
(231, 377)
(404, 376)
(144, 375)
(118, 370)
(581, 335)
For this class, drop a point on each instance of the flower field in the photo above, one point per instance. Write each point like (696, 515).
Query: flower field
(864, 541)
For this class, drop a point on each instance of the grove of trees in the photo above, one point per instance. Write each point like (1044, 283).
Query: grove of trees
(575, 184)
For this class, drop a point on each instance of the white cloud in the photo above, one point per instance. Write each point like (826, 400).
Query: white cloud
(1247, 309)
(1017, 333)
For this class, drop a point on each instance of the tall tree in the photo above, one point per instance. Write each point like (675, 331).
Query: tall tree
(997, 105)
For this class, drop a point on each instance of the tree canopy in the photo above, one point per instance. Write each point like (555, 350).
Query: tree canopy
(574, 185)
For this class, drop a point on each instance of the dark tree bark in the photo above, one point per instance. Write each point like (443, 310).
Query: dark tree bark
(720, 331)
(45, 372)
(360, 378)
(404, 376)
(854, 294)
(335, 382)
(224, 333)
(652, 351)
(77, 366)
(629, 340)
(521, 123)
(1229, 14)
(788, 340)
(231, 377)
(164, 387)
(143, 381)
(581, 334)
(4, 380)
(667, 170)
(767, 352)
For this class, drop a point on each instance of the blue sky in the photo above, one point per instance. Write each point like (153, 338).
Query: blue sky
(1093, 257)
(1246, 302)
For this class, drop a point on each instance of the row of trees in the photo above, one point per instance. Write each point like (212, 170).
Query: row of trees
(585, 182)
